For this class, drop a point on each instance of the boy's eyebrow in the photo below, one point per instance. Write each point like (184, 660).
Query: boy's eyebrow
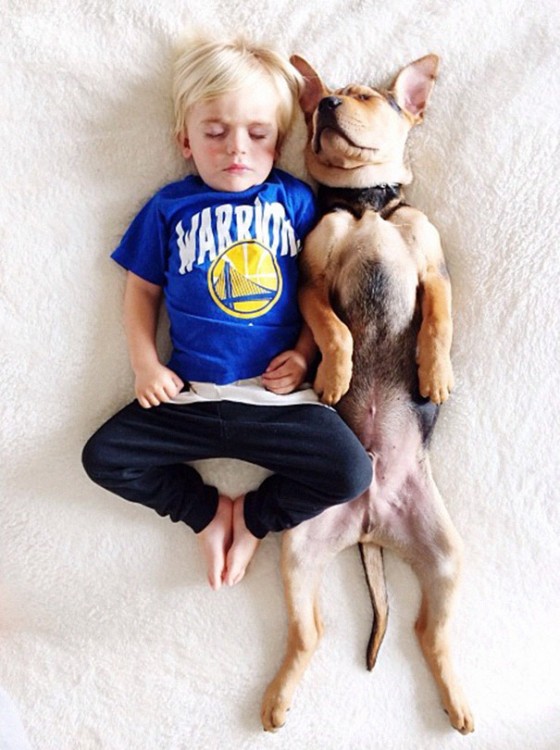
(224, 121)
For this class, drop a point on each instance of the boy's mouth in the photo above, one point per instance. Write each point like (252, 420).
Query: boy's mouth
(237, 168)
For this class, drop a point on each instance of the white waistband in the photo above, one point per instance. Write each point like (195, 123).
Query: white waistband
(249, 391)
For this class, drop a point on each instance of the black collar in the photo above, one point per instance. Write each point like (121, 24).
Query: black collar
(357, 200)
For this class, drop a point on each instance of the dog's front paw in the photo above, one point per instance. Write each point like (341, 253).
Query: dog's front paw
(436, 379)
(333, 379)
(275, 706)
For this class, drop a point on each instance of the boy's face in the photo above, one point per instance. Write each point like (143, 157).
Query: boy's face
(232, 139)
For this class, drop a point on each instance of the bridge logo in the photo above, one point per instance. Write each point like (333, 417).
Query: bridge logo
(245, 280)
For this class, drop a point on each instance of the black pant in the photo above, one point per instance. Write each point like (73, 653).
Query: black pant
(139, 454)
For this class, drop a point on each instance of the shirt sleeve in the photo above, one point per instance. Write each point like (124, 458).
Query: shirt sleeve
(305, 211)
(143, 248)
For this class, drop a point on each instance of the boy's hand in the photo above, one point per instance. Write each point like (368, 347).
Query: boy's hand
(156, 385)
(286, 372)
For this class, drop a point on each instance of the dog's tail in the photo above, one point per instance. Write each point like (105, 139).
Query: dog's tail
(372, 560)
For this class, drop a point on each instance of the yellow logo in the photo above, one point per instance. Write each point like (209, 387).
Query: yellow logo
(245, 280)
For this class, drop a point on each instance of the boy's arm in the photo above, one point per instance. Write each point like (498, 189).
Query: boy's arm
(289, 369)
(155, 383)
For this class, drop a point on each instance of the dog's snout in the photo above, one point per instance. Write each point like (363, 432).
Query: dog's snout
(329, 103)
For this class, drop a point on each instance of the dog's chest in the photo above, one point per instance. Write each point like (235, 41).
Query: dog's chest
(371, 269)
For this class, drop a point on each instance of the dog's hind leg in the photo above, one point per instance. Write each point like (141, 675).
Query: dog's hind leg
(434, 549)
(303, 562)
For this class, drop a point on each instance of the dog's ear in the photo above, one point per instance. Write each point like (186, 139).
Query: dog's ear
(412, 87)
(314, 89)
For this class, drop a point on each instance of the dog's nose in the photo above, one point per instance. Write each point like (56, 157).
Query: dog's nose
(329, 103)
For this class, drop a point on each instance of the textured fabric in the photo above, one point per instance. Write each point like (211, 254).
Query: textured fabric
(227, 263)
(110, 637)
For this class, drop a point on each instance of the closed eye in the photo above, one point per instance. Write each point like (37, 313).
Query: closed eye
(259, 134)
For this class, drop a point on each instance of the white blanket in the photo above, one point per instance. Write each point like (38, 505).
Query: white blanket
(109, 636)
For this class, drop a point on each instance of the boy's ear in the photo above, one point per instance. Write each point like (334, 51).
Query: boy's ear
(184, 144)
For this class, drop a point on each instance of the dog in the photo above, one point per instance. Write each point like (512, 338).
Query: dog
(376, 293)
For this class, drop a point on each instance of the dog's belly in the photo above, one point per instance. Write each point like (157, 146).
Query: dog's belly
(385, 513)
(375, 292)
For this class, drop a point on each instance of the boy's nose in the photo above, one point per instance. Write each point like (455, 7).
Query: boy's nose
(237, 142)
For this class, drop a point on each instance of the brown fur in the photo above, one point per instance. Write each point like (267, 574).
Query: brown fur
(377, 297)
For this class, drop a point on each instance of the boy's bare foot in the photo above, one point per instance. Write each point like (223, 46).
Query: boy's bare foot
(243, 548)
(215, 540)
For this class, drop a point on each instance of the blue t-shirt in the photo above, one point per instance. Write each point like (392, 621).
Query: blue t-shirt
(227, 263)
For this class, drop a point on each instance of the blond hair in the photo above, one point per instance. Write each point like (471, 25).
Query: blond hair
(206, 69)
